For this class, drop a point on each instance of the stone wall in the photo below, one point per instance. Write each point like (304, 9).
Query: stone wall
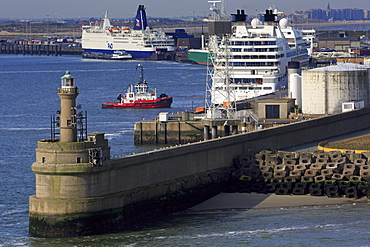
(90, 191)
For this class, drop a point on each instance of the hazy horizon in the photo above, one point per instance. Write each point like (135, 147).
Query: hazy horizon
(41, 9)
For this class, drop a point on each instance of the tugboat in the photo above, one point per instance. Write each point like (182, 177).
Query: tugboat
(140, 96)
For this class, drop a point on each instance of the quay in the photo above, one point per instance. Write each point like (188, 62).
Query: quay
(39, 49)
(81, 191)
(185, 128)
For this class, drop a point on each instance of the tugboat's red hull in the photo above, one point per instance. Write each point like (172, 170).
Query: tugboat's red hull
(157, 103)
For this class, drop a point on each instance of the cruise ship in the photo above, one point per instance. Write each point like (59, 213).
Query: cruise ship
(253, 60)
(140, 41)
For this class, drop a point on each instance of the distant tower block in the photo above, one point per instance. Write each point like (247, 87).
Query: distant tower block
(68, 93)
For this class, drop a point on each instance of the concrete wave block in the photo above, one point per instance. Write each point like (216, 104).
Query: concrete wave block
(299, 168)
(328, 173)
(305, 161)
(337, 176)
(266, 168)
(280, 174)
(288, 156)
(317, 166)
(289, 162)
(272, 162)
(321, 161)
(271, 157)
(359, 162)
(334, 155)
(319, 178)
(267, 175)
(295, 174)
(280, 168)
(312, 172)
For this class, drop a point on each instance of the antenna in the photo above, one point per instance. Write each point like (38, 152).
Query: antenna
(220, 98)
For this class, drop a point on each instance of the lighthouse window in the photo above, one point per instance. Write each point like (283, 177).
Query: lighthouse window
(78, 159)
(43, 159)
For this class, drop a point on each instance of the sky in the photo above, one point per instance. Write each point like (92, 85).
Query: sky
(61, 9)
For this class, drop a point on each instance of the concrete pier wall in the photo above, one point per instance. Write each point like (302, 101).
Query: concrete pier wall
(174, 132)
(155, 132)
(127, 189)
(39, 49)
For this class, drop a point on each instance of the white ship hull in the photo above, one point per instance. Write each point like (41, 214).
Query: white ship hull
(140, 42)
(254, 60)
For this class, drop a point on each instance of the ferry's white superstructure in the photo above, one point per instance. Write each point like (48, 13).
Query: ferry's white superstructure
(140, 42)
(256, 58)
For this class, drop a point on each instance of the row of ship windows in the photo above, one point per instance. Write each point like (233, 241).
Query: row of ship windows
(253, 43)
(252, 64)
(258, 56)
(250, 88)
(255, 49)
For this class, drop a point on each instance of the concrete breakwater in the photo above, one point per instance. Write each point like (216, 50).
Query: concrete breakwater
(75, 198)
(332, 174)
(185, 128)
(172, 132)
(78, 199)
(39, 49)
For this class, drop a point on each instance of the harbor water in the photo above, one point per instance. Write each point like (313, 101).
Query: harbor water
(29, 97)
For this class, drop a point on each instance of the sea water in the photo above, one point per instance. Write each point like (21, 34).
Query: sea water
(28, 96)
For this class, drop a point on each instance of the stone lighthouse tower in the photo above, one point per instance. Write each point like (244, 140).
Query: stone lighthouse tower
(69, 172)
(68, 93)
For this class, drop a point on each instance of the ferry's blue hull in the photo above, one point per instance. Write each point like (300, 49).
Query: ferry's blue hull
(145, 55)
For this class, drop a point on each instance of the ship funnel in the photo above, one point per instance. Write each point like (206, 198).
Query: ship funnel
(140, 19)
(270, 16)
(239, 16)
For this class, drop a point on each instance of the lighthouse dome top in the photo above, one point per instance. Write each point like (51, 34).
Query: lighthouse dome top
(67, 80)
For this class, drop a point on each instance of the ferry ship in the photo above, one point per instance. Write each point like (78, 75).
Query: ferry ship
(140, 42)
(253, 61)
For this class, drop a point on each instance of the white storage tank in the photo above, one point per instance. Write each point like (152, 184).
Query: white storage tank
(295, 89)
(325, 89)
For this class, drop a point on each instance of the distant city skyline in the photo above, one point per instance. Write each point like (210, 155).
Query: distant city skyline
(43, 9)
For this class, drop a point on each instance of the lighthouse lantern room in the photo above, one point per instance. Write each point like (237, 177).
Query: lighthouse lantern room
(68, 80)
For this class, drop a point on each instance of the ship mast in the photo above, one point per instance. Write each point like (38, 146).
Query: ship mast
(141, 77)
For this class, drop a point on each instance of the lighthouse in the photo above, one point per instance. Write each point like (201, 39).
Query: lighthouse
(68, 93)
(68, 171)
